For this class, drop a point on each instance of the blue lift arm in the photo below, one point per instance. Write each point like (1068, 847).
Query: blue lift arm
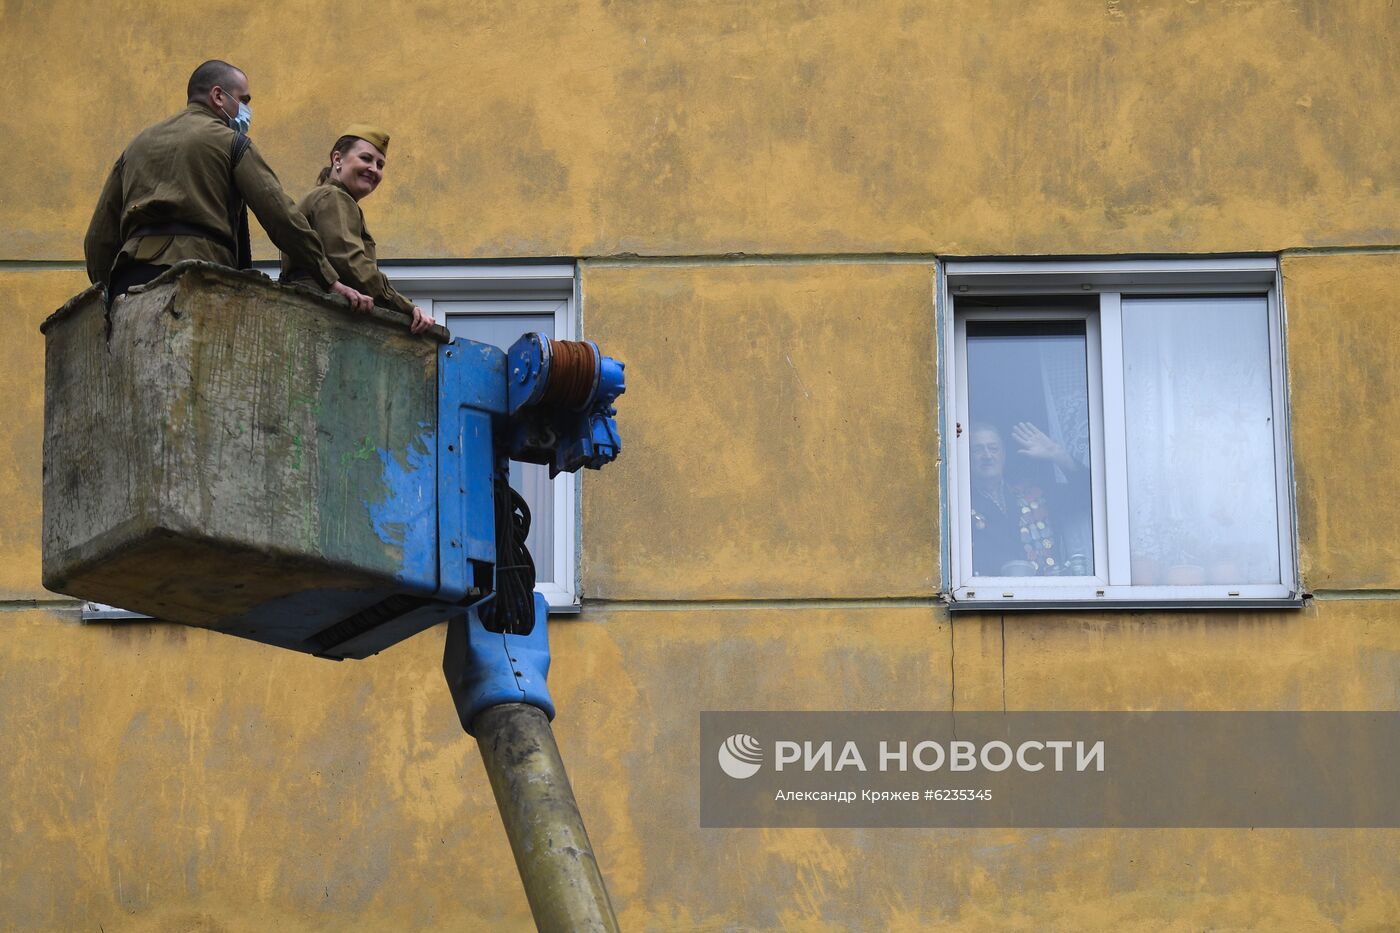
(543, 401)
(558, 410)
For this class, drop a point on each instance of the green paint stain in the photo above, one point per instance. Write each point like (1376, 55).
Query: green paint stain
(301, 400)
(296, 452)
(362, 452)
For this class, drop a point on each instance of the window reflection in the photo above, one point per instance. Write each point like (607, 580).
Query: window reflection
(1201, 487)
(1028, 442)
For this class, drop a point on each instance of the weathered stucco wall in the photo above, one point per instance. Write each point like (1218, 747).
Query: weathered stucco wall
(172, 779)
(26, 298)
(781, 438)
(779, 482)
(1345, 385)
(586, 127)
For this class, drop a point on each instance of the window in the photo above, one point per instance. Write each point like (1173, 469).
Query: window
(1116, 433)
(495, 304)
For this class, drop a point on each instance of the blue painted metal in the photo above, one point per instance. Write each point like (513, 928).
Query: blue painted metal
(529, 361)
(604, 443)
(611, 383)
(566, 440)
(479, 387)
(407, 517)
(486, 669)
(471, 397)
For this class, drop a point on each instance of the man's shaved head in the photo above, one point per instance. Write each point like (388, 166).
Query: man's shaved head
(209, 74)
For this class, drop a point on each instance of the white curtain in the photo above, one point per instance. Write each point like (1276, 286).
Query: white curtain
(1201, 485)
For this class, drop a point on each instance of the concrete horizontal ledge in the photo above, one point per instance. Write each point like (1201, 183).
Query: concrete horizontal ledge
(759, 259)
(42, 265)
(1376, 594)
(938, 602)
(723, 605)
(743, 258)
(26, 605)
(872, 602)
(1376, 249)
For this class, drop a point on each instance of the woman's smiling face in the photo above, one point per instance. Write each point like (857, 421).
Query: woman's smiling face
(360, 169)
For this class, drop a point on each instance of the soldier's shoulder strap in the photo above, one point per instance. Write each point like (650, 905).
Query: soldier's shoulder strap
(238, 209)
(237, 148)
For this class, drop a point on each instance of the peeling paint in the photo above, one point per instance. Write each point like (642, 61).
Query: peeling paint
(406, 518)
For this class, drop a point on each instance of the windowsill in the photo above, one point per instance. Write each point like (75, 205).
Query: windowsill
(1124, 604)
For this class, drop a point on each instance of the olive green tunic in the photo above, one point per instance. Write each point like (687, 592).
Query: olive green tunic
(178, 171)
(336, 216)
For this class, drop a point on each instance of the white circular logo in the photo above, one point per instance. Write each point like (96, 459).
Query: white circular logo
(740, 756)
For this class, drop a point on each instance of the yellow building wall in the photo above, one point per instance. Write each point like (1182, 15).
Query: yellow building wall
(769, 538)
(780, 425)
(587, 127)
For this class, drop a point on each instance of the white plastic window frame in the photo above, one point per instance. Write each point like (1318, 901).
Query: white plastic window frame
(428, 285)
(1102, 283)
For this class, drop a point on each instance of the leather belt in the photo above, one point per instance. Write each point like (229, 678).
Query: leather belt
(178, 228)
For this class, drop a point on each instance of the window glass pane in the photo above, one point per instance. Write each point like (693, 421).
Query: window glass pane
(1200, 436)
(531, 480)
(1028, 439)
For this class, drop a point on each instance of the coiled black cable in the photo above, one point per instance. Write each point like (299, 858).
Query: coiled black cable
(513, 609)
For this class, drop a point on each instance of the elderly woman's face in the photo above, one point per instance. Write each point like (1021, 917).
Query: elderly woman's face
(360, 169)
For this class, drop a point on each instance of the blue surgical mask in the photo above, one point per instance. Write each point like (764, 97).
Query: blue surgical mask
(243, 120)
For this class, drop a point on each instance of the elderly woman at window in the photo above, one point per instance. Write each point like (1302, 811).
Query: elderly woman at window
(1013, 525)
(333, 208)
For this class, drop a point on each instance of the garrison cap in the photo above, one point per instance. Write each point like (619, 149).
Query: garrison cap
(370, 134)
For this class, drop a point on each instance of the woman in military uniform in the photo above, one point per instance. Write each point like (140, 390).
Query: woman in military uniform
(333, 208)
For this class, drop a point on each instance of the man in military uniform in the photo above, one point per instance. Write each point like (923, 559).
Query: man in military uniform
(175, 194)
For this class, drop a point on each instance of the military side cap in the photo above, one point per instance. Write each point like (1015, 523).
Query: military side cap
(370, 134)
